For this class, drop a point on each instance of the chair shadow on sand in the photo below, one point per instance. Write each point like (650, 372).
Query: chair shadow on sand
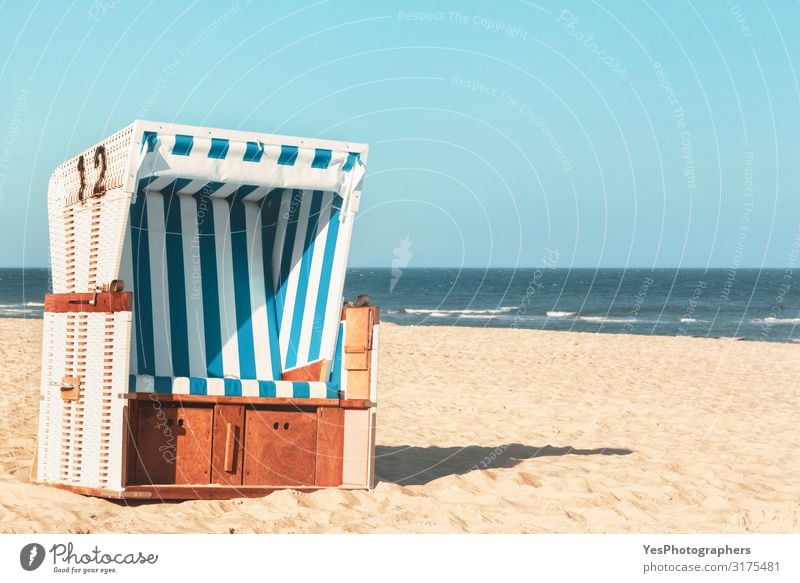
(409, 465)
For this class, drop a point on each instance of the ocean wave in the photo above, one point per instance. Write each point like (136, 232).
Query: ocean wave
(606, 319)
(771, 320)
(558, 314)
(456, 313)
(15, 311)
(20, 310)
(692, 320)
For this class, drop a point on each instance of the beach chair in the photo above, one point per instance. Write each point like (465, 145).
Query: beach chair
(196, 343)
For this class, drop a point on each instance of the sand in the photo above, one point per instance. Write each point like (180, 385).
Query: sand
(489, 430)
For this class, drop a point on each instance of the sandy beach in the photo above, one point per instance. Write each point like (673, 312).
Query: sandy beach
(489, 430)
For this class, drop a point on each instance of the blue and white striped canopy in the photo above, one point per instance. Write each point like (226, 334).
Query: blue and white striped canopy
(236, 251)
(247, 160)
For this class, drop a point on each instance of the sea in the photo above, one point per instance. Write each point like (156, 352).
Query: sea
(744, 304)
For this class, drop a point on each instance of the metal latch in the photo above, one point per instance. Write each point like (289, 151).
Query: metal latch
(70, 388)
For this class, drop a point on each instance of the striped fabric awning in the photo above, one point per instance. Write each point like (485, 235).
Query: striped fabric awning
(250, 166)
(236, 250)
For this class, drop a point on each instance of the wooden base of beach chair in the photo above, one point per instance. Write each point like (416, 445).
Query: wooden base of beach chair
(180, 448)
(197, 446)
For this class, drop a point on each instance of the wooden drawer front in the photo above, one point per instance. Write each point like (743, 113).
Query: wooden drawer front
(279, 448)
(173, 444)
(228, 440)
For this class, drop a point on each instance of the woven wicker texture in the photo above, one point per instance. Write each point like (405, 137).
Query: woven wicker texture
(80, 441)
(88, 174)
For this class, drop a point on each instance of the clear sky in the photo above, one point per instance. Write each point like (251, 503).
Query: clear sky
(636, 133)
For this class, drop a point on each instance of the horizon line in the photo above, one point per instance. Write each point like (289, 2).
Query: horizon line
(518, 267)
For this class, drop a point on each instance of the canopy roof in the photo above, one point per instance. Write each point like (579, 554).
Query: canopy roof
(154, 155)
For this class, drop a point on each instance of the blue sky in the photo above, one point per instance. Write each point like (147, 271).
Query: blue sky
(618, 133)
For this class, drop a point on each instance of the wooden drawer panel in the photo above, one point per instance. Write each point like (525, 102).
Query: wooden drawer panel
(280, 447)
(173, 444)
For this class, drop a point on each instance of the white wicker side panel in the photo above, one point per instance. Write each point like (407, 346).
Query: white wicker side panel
(87, 211)
(118, 377)
(92, 397)
(93, 239)
(58, 232)
(81, 441)
(62, 246)
(107, 345)
(72, 411)
(87, 218)
(115, 209)
(50, 411)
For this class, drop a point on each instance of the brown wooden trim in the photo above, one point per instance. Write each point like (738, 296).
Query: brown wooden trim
(357, 404)
(358, 384)
(314, 371)
(376, 313)
(85, 491)
(358, 334)
(130, 452)
(101, 302)
(212, 492)
(355, 361)
(156, 493)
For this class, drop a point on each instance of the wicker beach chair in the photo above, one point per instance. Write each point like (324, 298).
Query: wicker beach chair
(196, 344)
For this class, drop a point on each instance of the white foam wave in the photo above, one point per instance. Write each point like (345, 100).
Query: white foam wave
(607, 320)
(772, 321)
(558, 314)
(15, 311)
(456, 313)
